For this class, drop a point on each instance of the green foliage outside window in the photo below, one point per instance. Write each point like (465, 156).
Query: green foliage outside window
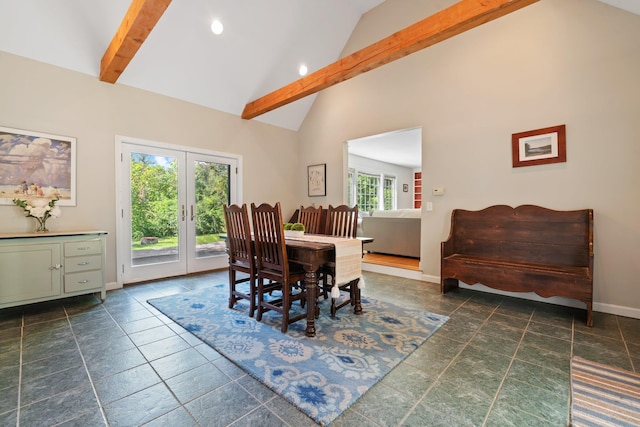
(154, 204)
(212, 192)
(367, 192)
(388, 193)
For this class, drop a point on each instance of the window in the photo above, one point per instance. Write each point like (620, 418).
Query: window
(371, 191)
(389, 193)
(367, 192)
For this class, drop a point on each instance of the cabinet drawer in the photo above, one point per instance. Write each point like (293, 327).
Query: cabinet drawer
(84, 263)
(84, 247)
(82, 281)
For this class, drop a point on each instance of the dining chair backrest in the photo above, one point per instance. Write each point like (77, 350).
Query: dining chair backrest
(311, 217)
(238, 234)
(241, 256)
(342, 221)
(268, 232)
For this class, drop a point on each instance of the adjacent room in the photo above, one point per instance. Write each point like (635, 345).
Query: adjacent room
(164, 260)
(383, 179)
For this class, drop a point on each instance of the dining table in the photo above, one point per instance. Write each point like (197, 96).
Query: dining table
(311, 255)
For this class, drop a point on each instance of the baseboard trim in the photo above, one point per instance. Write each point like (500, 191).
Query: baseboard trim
(392, 271)
(112, 286)
(617, 310)
(567, 302)
(432, 279)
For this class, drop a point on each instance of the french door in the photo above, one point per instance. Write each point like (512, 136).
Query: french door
(171, 210)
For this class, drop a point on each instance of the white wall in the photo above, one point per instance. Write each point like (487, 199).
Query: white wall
(39, 97)
(572, 62)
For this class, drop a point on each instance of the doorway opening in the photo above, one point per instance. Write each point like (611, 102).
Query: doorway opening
(383, 176)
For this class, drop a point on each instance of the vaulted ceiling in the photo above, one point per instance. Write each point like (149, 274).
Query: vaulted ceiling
(263, 43)
(259, 52)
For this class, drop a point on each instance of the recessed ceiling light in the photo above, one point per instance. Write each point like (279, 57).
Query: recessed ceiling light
(216, 27)
(302, 70)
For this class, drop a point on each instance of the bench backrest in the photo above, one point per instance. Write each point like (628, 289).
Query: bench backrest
(525, 234)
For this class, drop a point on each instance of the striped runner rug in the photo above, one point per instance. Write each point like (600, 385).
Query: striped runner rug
(602, 395)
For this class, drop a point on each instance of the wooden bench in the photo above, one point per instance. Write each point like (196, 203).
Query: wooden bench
(526, 249)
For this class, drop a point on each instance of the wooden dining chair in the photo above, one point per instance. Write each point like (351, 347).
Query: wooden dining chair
(311, 218)
(241, 255)
(273, 265)
(342, 221)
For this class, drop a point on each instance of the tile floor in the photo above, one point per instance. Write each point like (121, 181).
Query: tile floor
(499, 361)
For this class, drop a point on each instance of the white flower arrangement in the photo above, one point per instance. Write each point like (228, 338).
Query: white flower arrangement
(41, 209)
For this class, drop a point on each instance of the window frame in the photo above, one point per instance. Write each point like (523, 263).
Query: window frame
(382, 181)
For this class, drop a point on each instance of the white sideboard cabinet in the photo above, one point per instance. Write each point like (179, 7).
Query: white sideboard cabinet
(38, 267)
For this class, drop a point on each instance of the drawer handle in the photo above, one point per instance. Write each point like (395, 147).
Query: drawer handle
(85, 248)
(83, 281)
(55, 267)
(84, 263)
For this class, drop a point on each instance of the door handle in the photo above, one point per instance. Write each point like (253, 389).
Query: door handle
(183, 213)
(192, 213)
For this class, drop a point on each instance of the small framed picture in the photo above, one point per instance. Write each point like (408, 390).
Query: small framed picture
(539, 147)
(405, 188)
(317, 186)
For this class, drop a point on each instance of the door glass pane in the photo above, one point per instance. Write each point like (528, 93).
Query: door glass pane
(154, 209)
(211, 193)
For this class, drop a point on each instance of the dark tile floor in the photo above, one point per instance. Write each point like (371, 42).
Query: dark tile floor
(499, 361)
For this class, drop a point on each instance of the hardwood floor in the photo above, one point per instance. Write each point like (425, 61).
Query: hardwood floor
(392, 261)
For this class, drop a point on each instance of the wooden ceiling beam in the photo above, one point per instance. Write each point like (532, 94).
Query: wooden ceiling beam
(136, 25)
(460, 17)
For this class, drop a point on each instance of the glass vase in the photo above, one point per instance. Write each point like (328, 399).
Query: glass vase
(41, 225)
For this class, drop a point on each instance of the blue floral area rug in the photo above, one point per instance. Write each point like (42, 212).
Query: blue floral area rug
(321, 376)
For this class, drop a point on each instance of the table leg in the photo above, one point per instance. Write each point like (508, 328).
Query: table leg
(357, 308)
(311, 284)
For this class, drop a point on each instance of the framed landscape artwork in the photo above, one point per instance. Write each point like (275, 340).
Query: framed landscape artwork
(539, 147)
(36, 165)
(317, 185)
